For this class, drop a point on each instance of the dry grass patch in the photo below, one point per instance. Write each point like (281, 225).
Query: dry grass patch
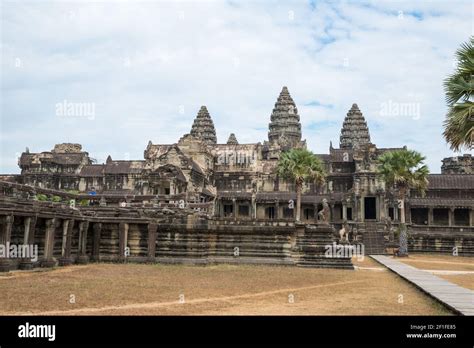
(439, 262)
(464, 280)
(445, 263)
(224, 289)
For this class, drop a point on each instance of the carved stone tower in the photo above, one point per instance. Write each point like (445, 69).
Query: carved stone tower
(203, 127)
(354, 132)
(458, 165)
(232, 140)
(285, 127)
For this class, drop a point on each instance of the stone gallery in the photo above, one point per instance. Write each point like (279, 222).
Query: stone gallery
(201, 202)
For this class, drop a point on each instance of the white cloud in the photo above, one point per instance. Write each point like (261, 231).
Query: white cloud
(141, 63)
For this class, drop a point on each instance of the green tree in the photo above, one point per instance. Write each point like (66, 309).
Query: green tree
(403, 170)
(459, 87)
(299, 166)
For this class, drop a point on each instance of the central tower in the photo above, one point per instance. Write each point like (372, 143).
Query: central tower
(354, 132)
(203, 127)
(285, 127)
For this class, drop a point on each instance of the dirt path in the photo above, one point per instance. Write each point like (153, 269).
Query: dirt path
(378, 269)
(39, 272)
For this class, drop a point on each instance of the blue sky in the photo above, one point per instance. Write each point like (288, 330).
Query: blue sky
(147, 67)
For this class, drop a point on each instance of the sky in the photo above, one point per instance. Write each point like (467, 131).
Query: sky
(114, 75)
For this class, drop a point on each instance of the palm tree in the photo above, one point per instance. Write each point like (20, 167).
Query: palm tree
(403, 170)
(459, 89)
(300, 165)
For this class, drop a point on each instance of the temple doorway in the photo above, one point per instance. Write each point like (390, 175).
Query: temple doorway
(370, 211)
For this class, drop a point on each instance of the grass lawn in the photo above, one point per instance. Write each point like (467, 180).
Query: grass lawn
(134, 289)
(464, 280)
(440, 263)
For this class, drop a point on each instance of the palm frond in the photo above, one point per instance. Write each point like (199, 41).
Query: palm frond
(459, 90)
(403, 169)
(300, 165)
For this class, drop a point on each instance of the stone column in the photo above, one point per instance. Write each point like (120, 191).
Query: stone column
(123, 239)
(430, 216)
(152, 228)
(66, 259)
(357, 209)
(215, 207)
(254, 207)
(5, 236)
(220, 208)
(378, 211)
(97, 228)
(277, 210)
(234, 208)
(331, 212)
(471, 217)
(82, 257)
(395, 213)
(408, 213)
(344, 212)
(26, 233)
(451, 217)
(382, 209)
(48, 259)
(29, 240)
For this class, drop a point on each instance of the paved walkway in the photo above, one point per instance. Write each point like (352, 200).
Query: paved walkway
(460, 299)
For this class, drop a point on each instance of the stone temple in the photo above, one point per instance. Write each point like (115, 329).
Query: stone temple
(200, 201)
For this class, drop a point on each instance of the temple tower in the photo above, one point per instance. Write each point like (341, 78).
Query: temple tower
(285, 126)
(354, 132)
(232, 140)
(203, 127)
(458, 165)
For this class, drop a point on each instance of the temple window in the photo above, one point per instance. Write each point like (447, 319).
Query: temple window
(419, 216)
(391, 213)
(441, 216)
(288, 213)
(461, 217)
(270, 212)
(349, 214)
(243, 210)
(308, 213)
(228, 209)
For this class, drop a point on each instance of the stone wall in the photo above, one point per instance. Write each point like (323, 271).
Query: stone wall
(65, 235)
(447, 242)
(226, 243)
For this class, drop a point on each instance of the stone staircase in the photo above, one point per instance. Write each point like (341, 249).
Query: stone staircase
(311, 247)
(374, 242)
